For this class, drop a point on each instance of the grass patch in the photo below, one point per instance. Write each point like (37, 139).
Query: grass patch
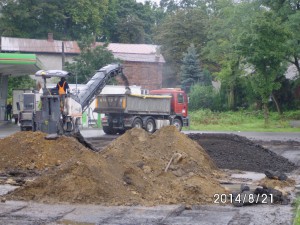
(242, 121)
(296, 212)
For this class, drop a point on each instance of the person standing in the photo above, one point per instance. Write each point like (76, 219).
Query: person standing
(62, 87)
(8, 111)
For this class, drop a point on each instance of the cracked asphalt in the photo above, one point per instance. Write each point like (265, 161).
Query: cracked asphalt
(14, 212)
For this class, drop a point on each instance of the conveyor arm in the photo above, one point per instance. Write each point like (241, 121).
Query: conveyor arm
(98, 82)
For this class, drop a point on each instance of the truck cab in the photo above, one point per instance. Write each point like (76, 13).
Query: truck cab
(179, 105)
(179, 100)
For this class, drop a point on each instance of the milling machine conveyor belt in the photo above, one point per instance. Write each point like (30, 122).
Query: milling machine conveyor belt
(97, 83)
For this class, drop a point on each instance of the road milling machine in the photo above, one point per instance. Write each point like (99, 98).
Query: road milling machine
(43, 112)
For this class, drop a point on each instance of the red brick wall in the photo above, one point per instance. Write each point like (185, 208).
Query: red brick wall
(146, 75)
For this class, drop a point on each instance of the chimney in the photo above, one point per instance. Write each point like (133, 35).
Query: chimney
(50, 37)
(157, 53)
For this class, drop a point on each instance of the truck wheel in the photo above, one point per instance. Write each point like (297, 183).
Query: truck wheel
(138, 123)
(109, 130)
(150, 125)
(177, 123)
(121, 131)
(34, 127)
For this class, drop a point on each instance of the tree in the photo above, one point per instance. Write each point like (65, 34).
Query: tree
(263, 47)
(225, 25)
(289, 12)
(20, 82)
(173, 5)
(130, 22)
(67, 19)
(131, 30)
(106, 20)
(90, 60)
(177, 32)
(190, 72)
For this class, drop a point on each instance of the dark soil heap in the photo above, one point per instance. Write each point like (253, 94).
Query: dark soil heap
(130, 171)
(231, 151)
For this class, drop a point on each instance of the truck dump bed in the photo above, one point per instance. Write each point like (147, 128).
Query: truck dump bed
(134, 104)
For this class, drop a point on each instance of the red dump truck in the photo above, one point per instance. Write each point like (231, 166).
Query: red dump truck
(163, 107)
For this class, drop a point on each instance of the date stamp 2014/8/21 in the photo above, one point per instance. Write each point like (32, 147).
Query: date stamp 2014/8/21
(243, 198)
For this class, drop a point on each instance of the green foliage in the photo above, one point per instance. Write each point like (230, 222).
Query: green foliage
(178, 31)
(204, 97)
(241, 121)
(66, 19)
(289, 13)
(130, 22)
(131, 30)
(88, 62)
(21, 82)
(225, 26)
(231, 37)
(124, 21)
(296, 205)
(190, 72)
(285, 94)
(265, 54)
(292, 115)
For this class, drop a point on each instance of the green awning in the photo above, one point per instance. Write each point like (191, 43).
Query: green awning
(16, 64)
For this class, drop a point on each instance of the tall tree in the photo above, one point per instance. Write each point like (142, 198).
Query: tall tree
(131, 30)
(177, 32)
(289, 12)
(225, 26)
(133, 22)
(263, 46)
(67, 19)
(191, 72)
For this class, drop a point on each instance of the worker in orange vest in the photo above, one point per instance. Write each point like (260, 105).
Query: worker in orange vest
(62, 87)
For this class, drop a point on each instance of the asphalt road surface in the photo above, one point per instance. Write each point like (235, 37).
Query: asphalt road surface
(11, 128)
(35, 213)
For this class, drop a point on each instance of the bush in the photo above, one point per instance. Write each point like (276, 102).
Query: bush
(204, 97)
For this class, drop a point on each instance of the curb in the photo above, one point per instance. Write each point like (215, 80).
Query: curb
(295, 123)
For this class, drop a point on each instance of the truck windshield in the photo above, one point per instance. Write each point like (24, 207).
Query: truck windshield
(29, 102)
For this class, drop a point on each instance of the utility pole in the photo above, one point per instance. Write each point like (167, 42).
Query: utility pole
(63, 55)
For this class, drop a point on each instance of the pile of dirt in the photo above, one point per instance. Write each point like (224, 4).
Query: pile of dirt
(30, 151)
(231, 151)
(271, 183)
(137, 168)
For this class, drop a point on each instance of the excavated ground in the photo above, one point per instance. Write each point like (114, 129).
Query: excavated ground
(131, 171)
(135, 169)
